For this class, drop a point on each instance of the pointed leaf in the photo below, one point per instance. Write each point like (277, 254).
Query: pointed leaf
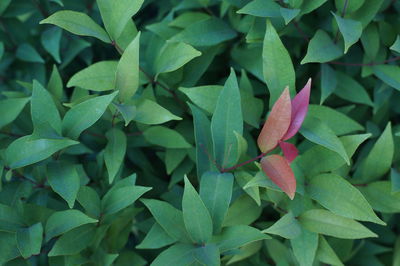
(278, 170)
(277, 65)
(328, 82)
(351, 30)
(396, 45)
(287, 226)
(151, 113)
(120, 198)
(277, 123)
(29, 240)
(77, 23)
(114, 152)
(305, 247)
(321, 49)
(299, 110)
(127, 80)
(156, 238)
(390, 74)
(10, 109)
(261, 8)
(290, 151)
(165, 137)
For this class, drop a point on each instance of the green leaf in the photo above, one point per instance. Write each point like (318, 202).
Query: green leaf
(64, 180)
(173, 157)
(26, 150)
(165, 137)
(340, 123)
(169, 218)
(309, 6)
(97, 77)
(197, 219)
(10, 109)
(216, 193)
(332, 192)
(63, 221)
(261, 8)
(326, 254)
(328, 81)
(205, 97)
(287, 226)
(277, 65)
(114, 152)
(351, 30)
(28, 53)
(120, 198)
(395, 179)
(379, 159)
(318, 132)
(116, 15)
(85, 114)
(390, 74)
(127, 77)
(207, 255)
(326, 223)
(215, 29)
(29, 240)
(55, 84)
(44, 112)
(321, 49)
(8, 245)
(90, 201)
(370, 41)
(174, 55)
(396, 45)
(367, 11)
(380, 195)
(3, 5)
(233, 237)
(305, 247)
(77, 23)
(127, 111)
(151, 113)
(226, 120)
(177, 255)
(243, 211)
(156, 238)
(349, 89)
(204, 145)
(74, 241)
(51, 39)
(289, 14)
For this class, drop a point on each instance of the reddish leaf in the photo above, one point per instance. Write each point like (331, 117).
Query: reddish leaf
(299, 110)
(278, 169)
(289, 151)
(277, 123)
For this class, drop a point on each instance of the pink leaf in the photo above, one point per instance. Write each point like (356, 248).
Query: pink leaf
(299, 110)
(289, 151)
(278, 170)
(277, 123)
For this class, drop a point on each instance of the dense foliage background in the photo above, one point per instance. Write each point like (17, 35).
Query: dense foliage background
(107, 106)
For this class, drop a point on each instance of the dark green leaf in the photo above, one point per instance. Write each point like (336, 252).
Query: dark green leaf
(114, 152)
(29, 240)
(321, 49)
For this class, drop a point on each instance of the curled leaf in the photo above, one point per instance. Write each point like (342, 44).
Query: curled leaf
(299, 110)
(278, 170)
(277, 123)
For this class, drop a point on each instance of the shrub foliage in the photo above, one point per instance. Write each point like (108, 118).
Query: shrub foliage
(136, 132)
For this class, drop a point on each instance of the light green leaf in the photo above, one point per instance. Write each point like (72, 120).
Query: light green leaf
(305, 247)
(165, 137)
(151, 113)
(351, 30)
(205, 97)
(289, 14)
(174, 55)
(74, 241)
(44, 112)
(340, 123)
(77, 23)
(55, 84)
(226, 120)
(197, 219)
(277, 65)
(63, 221)
(261, 8)
(321, 49)
(97, 77)
(156, 238)
(85, 114)
(64, 180)
(169, 218)
(10, 109)
(396, 45)
(120, 198)
(380, 195)
(340, 197)
(318, 132)
(116, 15)
(326, 223)
(379, 159)
(390, 74)
(326, 254)
(29, 240)
(243, 211)
(287, 226)
(215, 29)
(216, 193)
(25, 150)
(28, 53)
(127, 80)
(114, 152)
